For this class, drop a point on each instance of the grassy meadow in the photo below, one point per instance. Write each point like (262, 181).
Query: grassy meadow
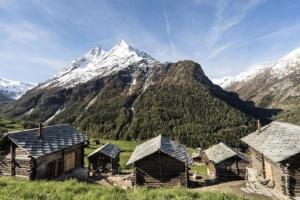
(18, 189)
(10, 125)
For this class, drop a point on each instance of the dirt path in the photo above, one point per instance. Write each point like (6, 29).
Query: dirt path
(232, 187)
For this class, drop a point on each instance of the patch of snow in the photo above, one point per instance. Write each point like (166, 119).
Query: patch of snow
(14, 89)
(98, 63)
(53, 116)
(92, 102)
(244, 76)
(30, 111)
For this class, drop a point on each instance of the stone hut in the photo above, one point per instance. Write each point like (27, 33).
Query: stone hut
(225, 163)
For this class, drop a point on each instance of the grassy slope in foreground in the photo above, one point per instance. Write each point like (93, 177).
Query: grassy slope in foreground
(12, 188)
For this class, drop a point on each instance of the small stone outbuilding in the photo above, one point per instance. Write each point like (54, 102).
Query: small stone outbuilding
(225, 163)
(160, 162)
(104, 159)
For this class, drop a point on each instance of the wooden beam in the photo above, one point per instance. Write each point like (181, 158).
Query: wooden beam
(159, 165)
(63, 161)
(82, 155)
(263, 165)
(12, 153)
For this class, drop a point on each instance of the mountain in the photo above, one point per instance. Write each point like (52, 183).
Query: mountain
(276, 85)
(125, 93)
(12, 90)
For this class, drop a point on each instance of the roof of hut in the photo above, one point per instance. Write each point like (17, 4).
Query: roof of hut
(108, 149)
(277, 141)
(219, 152)
(163, 144)
(53, 138)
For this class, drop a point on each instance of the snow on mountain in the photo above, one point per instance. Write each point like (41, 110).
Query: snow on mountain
(244, 76)
(14, 89)
(281, 68)
(98, 63)
(287, 64)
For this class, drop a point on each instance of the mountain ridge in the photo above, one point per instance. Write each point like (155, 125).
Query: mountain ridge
(276, 85)
(139, 99)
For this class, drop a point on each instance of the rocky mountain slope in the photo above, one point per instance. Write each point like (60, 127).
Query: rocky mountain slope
(125, 93)
(276, 85)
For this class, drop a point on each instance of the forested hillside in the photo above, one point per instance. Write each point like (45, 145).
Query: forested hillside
(140, 101)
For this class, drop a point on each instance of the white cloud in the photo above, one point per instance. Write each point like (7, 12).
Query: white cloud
(228, 14)
(172, 46)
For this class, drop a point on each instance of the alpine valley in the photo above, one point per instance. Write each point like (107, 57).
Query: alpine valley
(12, 90)
(124, 93)
(275, 86)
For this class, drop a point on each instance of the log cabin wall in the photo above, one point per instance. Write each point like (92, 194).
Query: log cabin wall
(5, 160)
(22, 163)
(291, 186)
(160, 169)
(53, 165)
(15, 161)
(256, 160)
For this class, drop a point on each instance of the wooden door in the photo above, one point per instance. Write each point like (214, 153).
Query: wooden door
(51, 170)
(269, 172)
(69, 161)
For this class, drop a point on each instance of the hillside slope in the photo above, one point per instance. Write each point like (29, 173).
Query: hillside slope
(276, 85)
(137, 97)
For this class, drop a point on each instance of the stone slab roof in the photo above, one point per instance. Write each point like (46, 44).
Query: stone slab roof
(165, 145)
(219, 152)
(54, 138)
(277, 141)
(108, 149)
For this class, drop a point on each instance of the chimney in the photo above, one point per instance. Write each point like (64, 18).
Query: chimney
(258, 126)
(40, 130)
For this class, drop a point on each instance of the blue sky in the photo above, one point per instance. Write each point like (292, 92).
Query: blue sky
(38, 37)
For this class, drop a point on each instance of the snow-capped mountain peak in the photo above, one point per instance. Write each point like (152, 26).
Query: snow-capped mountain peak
(98, 63)
(95, 52)
(244, 76)
(279, 69)
(14, 89)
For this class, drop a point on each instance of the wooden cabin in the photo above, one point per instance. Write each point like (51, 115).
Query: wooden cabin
(275, 154)
(42, 153)
(160, 162)
(224, 163)
(104, 159)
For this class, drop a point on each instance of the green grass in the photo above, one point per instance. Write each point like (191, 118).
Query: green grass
(18, 189)
(199, 169)
(127, 148)
(10, 125)
(7, 125)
